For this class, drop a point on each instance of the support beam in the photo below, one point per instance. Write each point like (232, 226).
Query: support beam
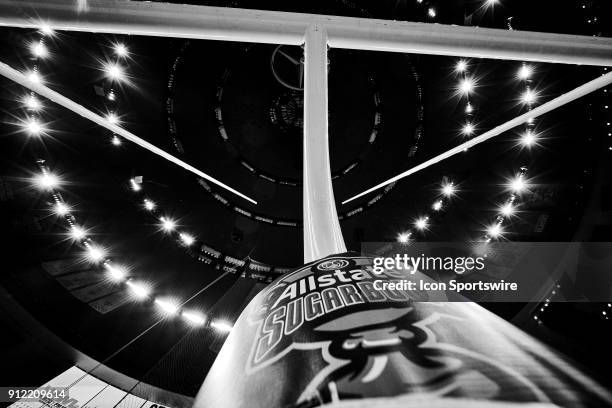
(559, 101)
(80, 110)
(230, 24)
(155, 19)
(473, 42)
(322, 234)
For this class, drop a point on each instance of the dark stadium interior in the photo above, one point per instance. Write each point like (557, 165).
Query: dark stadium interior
(410, 102)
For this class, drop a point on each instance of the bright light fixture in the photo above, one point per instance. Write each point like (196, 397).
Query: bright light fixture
(114, 71)
(222, 326)
(466, 86)
(135, 186)
(421, 223)
(186, 238)
(112, 118)
(517, 185)
(461, 66)
(121, 50)
(507, 209)
(169, 307)
(448, 189)
(139, 290)
(403, 237)
(46, 29)
(529, 96)
(47, 181)
(431, 12)
(494, 230)
(39, 50)
(61, 209)
(116, 140)
(528, 138)
(195, 318)
(468, 129)
(167, 224)
(95, 254)
(149, 205)
(34, 76)
(77, 233)
(469, 108)
(31, 102)
(117, 273)
(525, 72)
(437, 206)
(33, 127)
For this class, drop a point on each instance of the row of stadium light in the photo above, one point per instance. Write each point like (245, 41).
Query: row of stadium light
(50, 183)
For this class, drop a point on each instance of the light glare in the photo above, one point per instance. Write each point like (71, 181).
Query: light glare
(529, 96)
(517, 185)
(34, 76)
(149, 205)
(121, 50)
(468, 129)
(448, 189)
(495, 230)
(135, 186)
(47, 181)
(77, 233)
(222, 326)
(461, 66)
(39, 50)
(61, 209)
(169, 307)
(187, 239)
(507, 209)
(466, 86)
(112, 118)
(195, 318)
(33, 127)
(528, 138)
(403, 237)
(167, 224)
(525, 71)
(95, 254)
(46, 29)
(31, 102)
(139, 290)
(421, 223)
(117, 273)
(114, 71)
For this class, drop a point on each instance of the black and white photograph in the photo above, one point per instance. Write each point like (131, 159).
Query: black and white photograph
(306, 203)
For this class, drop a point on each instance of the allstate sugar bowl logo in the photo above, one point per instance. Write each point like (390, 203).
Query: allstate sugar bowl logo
(362, 342)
